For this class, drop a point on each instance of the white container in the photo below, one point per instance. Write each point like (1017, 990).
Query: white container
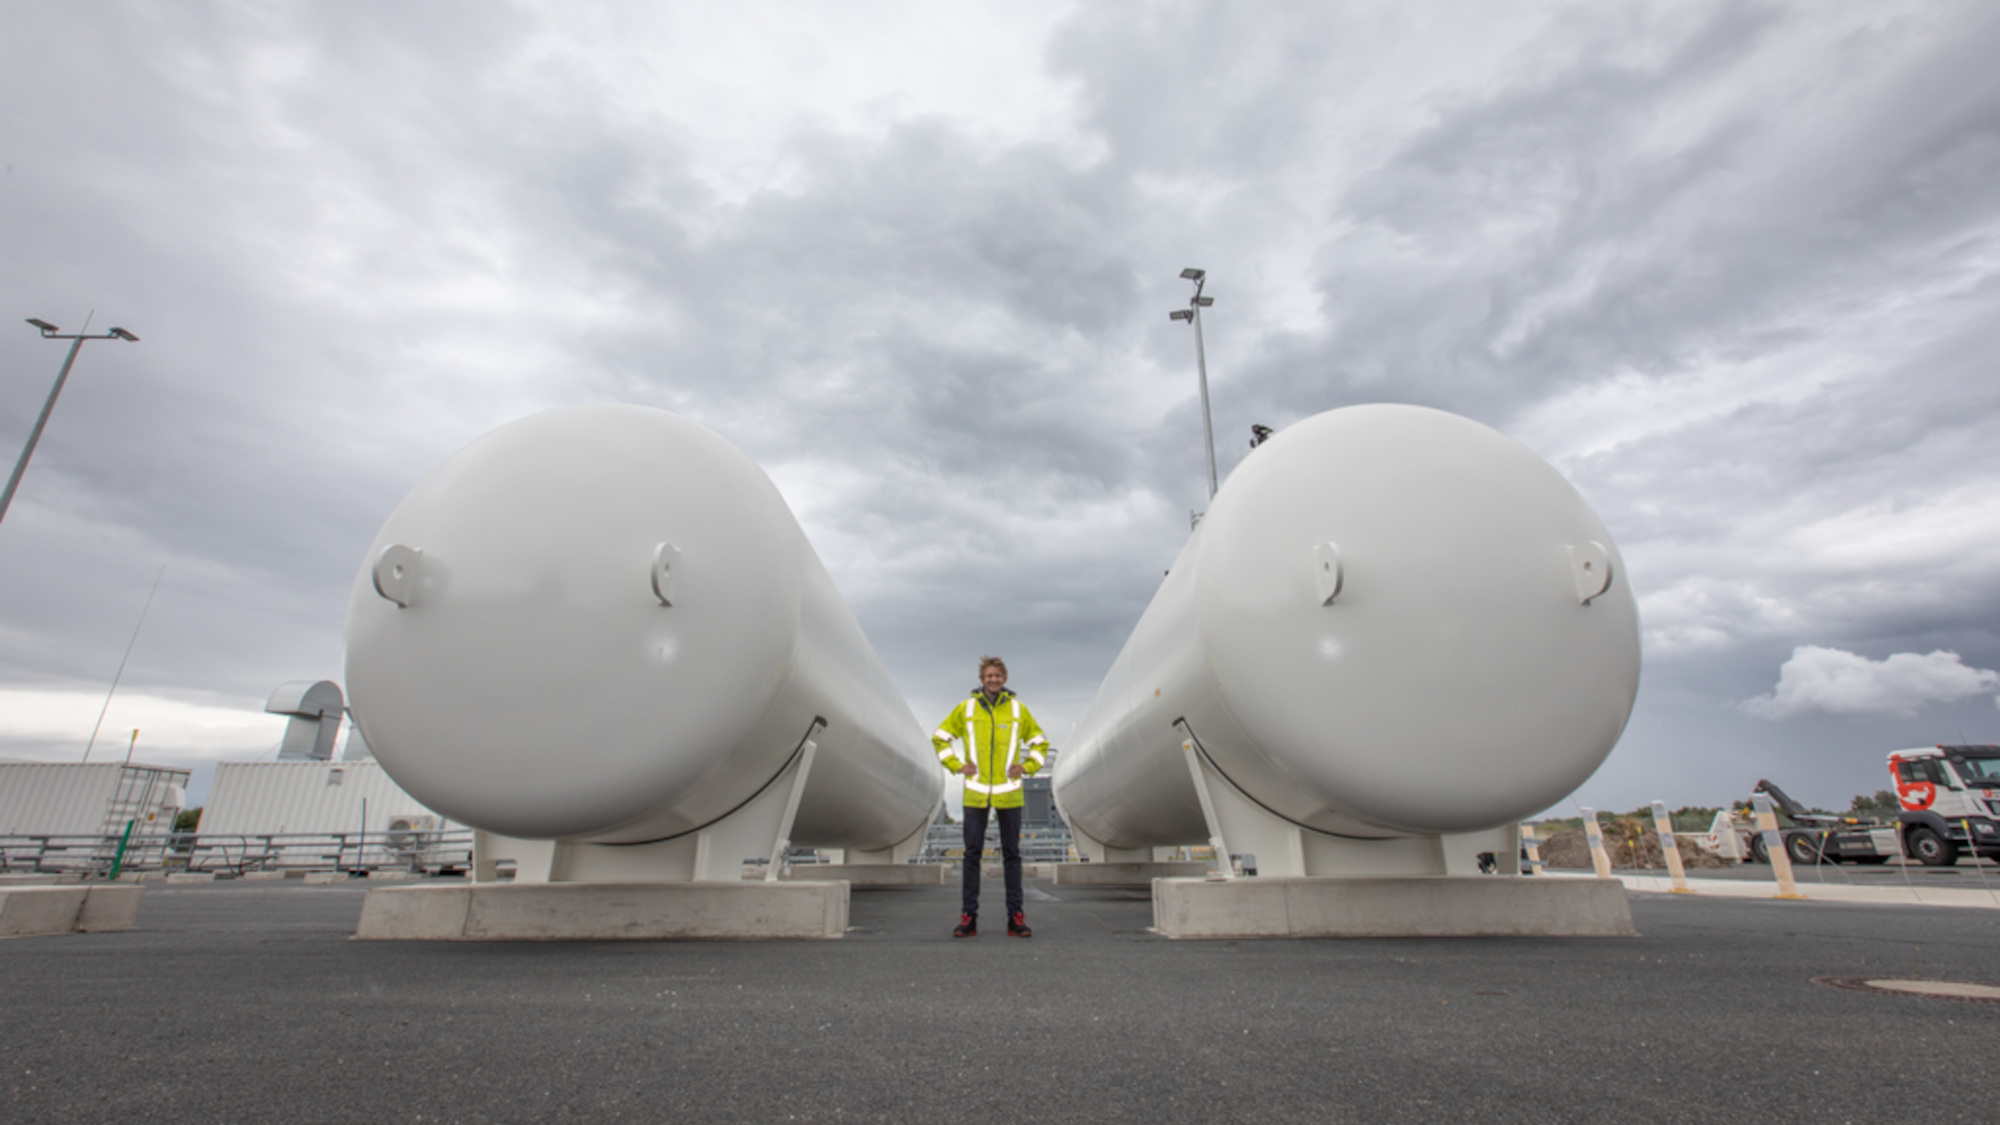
(291, 798)
(78, 798)
(1392, 621)
(616, 632)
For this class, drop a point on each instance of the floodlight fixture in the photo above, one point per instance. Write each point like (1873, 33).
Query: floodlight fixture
(51, 332)
(1192, 314)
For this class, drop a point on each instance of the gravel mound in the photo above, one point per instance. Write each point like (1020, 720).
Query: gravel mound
(1629, 844)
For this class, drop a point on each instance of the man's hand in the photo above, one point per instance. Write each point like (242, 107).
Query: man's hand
(1014, 771)
(970, 770)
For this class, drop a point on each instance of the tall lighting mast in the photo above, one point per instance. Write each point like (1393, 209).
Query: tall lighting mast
(1192, 314)
(51, 332)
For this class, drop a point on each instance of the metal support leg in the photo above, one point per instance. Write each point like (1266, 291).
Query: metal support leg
(1223, 865)
(782, 846)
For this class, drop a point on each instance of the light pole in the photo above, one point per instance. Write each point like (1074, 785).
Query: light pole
(51, 332)
(1192, 314)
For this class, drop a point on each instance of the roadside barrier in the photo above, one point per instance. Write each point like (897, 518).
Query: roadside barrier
(1595, 836)
(1670, 849)
(1774, 846)
(1970, 842)
(1534, 849)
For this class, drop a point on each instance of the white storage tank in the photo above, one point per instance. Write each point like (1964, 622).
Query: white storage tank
(602, 624)
(1392, 621)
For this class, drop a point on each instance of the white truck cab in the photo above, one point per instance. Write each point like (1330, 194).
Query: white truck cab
(1950, 797)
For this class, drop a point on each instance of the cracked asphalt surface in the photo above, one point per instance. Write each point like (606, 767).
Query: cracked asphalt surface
(248, 1002)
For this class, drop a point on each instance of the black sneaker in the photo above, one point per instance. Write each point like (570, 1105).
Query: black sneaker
(1017, 926)
(968, 926)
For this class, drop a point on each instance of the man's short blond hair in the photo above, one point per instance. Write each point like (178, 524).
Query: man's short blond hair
(986, 662)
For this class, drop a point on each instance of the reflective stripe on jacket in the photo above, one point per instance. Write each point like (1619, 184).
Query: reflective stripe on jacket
(992, 736)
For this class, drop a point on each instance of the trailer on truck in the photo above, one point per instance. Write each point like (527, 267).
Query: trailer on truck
(1808, 837)
(1950, 806)
(1811, 837)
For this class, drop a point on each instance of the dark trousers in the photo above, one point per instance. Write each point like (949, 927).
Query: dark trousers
(1010, 857)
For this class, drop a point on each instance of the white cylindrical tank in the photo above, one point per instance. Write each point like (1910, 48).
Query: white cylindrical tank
(603, 624)
(1392, 621)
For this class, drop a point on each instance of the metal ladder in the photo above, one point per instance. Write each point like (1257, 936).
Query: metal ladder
(135, 801)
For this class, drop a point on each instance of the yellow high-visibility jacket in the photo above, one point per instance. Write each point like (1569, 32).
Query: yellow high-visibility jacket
(993, 736)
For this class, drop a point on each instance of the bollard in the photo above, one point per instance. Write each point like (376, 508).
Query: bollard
(1670, 848)
(1595, 835)
(118, 861)
(1774, 846)
(1534, 848)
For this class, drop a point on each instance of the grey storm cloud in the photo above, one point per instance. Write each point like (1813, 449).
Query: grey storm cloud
(1730, 266)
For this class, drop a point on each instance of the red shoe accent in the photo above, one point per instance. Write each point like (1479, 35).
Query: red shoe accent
(968, 926)
(1017, 926)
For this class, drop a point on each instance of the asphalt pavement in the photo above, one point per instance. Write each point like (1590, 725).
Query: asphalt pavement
(1966, 874)
(249, 1002)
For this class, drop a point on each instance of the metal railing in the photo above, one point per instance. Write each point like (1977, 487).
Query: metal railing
(413, 851)
(84, 853)
(946, 842)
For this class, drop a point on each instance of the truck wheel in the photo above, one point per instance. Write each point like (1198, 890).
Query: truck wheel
(1758, 852)
(1931, 849)
(1801, 848)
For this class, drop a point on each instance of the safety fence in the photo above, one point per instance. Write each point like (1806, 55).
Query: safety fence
(55, 853)
(1038, 844)
(401, 850)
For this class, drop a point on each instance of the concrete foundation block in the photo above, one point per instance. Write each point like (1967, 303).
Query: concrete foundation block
(34, 910)
(269, 876)
(107, 908)
(604, 911)
(1126, 874)
(415, 914)
(192, 877)
(26, 911)
(28, 879)
(325, 878)
(1422, 906)
(871, 874)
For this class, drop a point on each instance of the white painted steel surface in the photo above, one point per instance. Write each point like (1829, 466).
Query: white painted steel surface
(66, 798)
(616, 632)
(316, 708)
(270, 798)
(1456, 680)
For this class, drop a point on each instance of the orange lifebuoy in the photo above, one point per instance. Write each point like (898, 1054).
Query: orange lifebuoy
(1916, 795)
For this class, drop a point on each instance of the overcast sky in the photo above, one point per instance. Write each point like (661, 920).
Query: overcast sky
(1733, 267)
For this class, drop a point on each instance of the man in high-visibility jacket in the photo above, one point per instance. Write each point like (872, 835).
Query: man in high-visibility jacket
(1002, 744)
